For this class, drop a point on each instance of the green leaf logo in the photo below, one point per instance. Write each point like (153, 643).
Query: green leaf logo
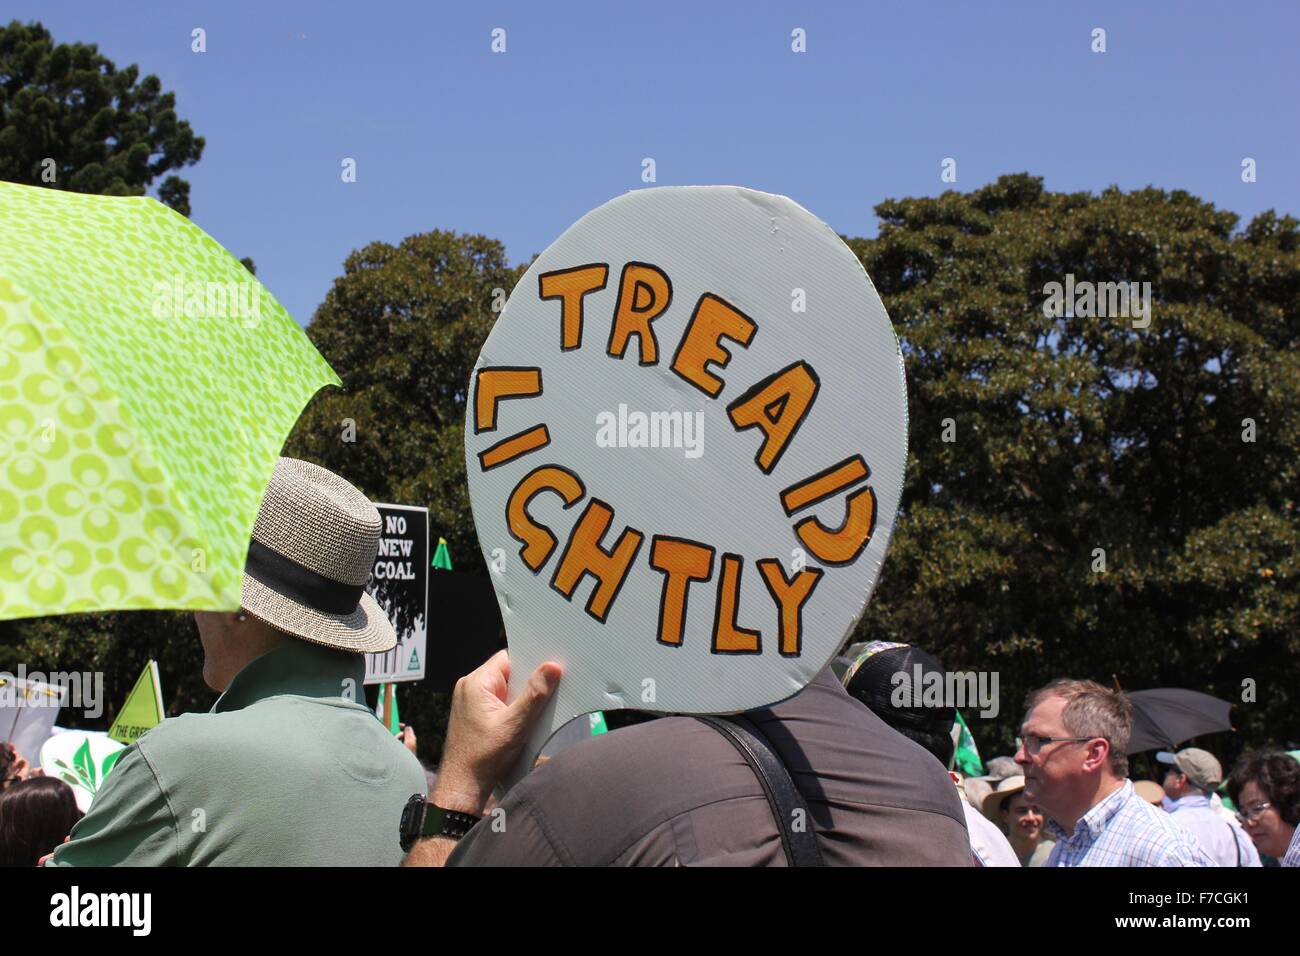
(66, 774)
(109, 761)
(85, 765)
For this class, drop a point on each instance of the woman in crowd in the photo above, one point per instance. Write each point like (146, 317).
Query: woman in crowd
(1020, 820)
(13, 767)
(35, 817)
(1266, 790)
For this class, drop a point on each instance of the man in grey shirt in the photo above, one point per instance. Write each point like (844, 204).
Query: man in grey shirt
(674, 791)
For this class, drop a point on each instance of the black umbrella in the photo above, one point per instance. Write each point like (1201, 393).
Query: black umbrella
(1165, 717)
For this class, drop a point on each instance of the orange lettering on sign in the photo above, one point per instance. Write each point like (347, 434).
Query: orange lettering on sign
(728, 637)
(583, 556)
(790, 597)
(537, 540)
(682, 562)
(712, 321)
(508, 449)
(644, 292)
(570, 286)
(494, 385)
(777, 406)
(844, 544)
(824, 484)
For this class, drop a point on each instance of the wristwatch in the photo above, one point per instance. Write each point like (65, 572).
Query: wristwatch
(420, 818)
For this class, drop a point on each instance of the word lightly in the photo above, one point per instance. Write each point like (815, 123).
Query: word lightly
(681, 561)
(103, 909)
(1101, 299)
(656, 430)
(81, 690)
(951, 689)
(216, 300)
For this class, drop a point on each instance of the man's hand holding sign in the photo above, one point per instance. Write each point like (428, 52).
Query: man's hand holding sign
(656, 580)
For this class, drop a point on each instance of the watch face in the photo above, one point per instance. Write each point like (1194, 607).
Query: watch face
(409, 828)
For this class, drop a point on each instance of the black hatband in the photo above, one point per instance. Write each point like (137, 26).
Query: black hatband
(303, 585)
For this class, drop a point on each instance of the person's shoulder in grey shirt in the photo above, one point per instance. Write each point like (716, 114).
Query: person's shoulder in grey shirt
(675, 792)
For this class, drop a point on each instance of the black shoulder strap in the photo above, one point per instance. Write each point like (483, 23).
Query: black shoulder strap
(798, 838)
(1236, 844)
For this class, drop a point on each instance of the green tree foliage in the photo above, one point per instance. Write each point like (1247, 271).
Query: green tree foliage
(106, 130)
(403, 327)
(1072, 434)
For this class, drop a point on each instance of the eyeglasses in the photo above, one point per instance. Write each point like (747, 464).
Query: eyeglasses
(1251, 814)
(1032, 743)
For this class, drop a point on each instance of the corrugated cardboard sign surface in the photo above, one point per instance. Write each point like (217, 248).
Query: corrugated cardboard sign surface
(646, 447)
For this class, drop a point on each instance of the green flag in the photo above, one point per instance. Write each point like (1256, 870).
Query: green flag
(441, 561)
(966, 756)
(143, 709)
(394, 721)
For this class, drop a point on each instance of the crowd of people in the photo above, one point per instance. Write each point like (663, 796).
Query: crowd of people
(289, 768)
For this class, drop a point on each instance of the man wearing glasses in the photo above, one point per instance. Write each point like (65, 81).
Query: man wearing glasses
(1072, 751)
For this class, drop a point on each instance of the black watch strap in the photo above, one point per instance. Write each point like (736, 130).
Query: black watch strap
(448, 823)
(420, 819)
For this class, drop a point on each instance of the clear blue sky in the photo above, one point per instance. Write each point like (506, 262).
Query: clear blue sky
(447, 134)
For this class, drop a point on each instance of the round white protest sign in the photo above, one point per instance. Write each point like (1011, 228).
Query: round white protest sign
(685, 441)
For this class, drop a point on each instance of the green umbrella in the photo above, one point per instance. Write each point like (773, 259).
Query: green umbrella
(147, 384)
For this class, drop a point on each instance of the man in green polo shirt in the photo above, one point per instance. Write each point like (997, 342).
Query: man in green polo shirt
(287, 769)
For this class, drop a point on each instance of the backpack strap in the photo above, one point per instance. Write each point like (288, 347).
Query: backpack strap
(1235, 842)
(800, 845)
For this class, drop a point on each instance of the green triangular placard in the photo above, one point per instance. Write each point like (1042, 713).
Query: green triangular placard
(442, 557)
(143, 709)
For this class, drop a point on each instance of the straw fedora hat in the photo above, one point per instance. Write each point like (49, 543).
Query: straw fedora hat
(1005, 788)
(312, 552)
